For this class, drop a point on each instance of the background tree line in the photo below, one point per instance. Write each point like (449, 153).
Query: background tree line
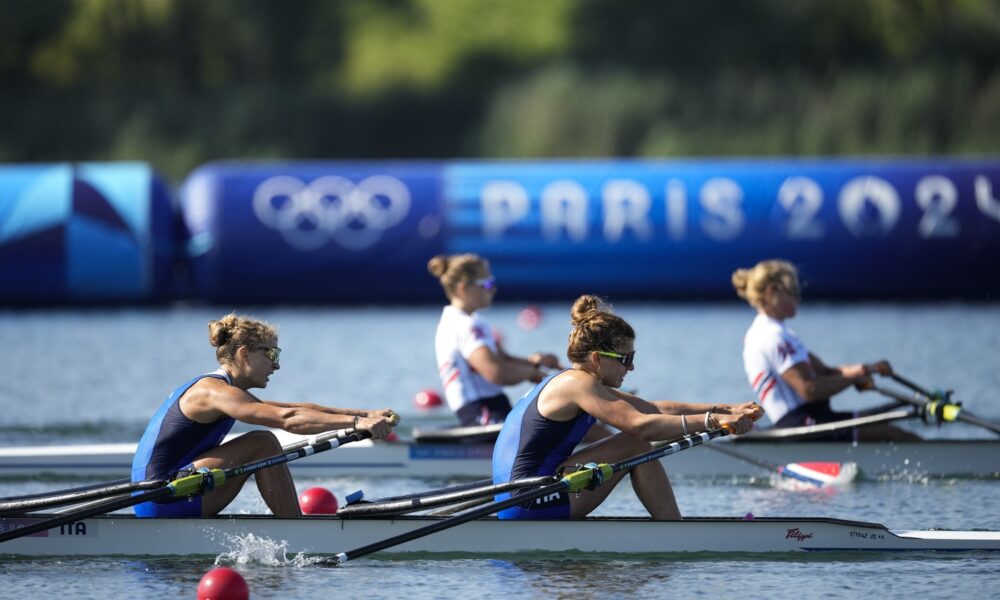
(182, 82)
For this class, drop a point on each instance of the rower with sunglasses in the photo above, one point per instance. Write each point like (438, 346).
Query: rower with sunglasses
(541, 433)
(793, 385)
(472, 363)
(188, 429)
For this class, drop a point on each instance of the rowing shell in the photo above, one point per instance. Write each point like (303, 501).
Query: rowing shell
(128, 535)
(937, 458)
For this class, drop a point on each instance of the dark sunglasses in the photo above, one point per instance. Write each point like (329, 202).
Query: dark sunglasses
(627, 360)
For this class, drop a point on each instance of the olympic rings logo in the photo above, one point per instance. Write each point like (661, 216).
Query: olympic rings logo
(331, 208)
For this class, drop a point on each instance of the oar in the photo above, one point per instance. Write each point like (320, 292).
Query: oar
(590, 476)
(816, 474)
(191, 485)
(906, 382)
(22, 505)
(938, 405)
(119, 488)
(358, 496)
(431, 500)
(807, 431)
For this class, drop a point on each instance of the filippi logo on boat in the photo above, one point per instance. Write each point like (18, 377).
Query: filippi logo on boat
(352, 215)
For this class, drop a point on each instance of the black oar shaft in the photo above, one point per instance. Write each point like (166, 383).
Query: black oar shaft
(74, 496)
(451, 521)
(106, 507)
(753, 460)
(408, 505)
(455, 488)
(82, 488)
(913, 386)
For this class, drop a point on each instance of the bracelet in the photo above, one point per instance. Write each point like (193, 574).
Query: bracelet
(684, 424)
(708, 415)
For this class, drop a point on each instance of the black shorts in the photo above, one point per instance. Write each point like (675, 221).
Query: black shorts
(484, 411)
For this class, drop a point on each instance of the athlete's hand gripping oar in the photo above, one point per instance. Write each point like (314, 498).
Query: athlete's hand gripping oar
(590, 476)
(935, 405)
(190, 485)
(814, 474)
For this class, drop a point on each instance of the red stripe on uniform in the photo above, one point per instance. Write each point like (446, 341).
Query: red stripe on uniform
(767, 389)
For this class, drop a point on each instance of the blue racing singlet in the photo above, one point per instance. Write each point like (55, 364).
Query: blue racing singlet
(530, 445)
(171, 441)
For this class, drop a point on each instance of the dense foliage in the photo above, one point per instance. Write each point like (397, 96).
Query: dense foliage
(182, 82)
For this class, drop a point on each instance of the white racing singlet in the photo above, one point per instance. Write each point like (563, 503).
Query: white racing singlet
(458, 335)
(769, 349)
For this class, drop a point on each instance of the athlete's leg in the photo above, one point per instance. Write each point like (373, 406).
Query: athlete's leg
(275, 483)
(649, 480)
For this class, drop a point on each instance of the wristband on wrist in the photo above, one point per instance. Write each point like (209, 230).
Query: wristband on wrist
(684, 424)
(708, 415)
(356, 417)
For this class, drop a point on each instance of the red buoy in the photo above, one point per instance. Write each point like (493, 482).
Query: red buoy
(223, 583)
(529, 317)
(318, 501)
(427, 399)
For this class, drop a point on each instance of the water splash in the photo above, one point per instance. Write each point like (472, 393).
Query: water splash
(251, 549)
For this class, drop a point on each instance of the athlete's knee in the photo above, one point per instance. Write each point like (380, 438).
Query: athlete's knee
(265, 440)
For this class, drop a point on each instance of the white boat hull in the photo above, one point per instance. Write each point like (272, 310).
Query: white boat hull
(939, 458)
(127, 535)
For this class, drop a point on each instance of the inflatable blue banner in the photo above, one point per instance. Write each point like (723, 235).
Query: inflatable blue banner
(84, 233)
(678, 229)
(364, 231)
(314, 232)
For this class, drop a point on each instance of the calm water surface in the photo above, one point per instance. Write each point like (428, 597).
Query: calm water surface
(98, 375)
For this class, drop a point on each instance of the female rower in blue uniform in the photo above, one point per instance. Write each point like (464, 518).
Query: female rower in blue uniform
(541, 433)
(189, 427)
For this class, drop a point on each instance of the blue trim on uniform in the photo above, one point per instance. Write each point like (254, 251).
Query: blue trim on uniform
(530, 445)
(171, 441)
